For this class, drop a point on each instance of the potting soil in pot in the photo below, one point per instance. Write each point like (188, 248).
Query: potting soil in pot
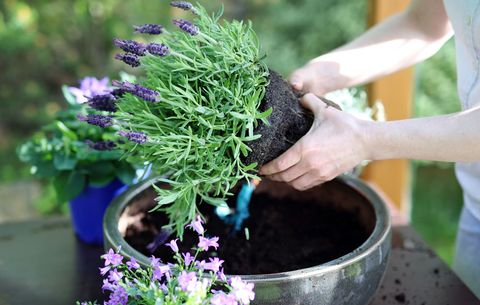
(284, 234)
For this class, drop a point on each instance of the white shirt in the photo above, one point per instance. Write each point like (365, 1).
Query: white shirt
(465, 18)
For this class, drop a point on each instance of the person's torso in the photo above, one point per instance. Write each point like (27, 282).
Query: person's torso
(465, 18)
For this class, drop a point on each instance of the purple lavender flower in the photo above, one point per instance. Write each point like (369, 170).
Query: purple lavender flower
(188, 258)
(96, 119)
(187, 281)
(89, 86)
(118, 92)
(118, 297)
(130, 46)
(101, 145)
(242, 291)
(173, 245)
(103, 102)
(112, 258)
(134, 136)
(129, 58)
(142, 92)
(186, 26)
(214, 264)
(197, 225)
(221, 298)
(132, 264)
(152, 29)
(158, 49)
(184, 5)
(205, 243)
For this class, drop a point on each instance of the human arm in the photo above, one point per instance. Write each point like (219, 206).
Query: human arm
(400, 41)
(338, 141)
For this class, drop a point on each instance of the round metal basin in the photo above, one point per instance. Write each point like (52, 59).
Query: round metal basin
(350, 279)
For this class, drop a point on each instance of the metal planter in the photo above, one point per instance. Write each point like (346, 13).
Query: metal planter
(351, 279)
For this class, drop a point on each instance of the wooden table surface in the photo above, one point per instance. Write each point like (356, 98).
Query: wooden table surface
(42, 263)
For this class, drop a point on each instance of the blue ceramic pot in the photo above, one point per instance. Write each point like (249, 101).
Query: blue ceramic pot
(88, 208)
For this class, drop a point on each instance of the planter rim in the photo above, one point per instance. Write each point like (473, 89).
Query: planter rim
(379, 234)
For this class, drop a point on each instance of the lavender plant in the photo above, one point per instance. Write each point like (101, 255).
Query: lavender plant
(195, 110)
(187, 281)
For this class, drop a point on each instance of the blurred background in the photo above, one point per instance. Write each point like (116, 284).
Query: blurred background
(45, 44)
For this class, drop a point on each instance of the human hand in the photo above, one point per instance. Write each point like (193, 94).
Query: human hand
(318, 77)
(334, 145)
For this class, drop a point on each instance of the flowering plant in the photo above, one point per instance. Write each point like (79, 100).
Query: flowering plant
(188, 281)
(194, 111)
(200, 109)
(73, 154)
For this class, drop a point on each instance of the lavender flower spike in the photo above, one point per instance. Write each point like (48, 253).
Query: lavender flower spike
(152, 29)
(129, 58)
(101, 145)
(184, 5)
(130, 46)
(186, 26)
(97, 120)
(158, 49)
(134, 136)
(103, 102)
(142, 92)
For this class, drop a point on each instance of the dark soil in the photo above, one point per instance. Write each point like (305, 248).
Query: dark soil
(285, 234)
(289, 121)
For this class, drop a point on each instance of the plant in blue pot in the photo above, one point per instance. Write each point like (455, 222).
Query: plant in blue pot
(82, 161)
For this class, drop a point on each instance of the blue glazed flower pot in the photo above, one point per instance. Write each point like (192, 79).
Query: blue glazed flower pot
(88, 208)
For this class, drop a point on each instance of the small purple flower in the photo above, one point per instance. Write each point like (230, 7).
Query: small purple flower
(89, 86)
(158, 49)
(103, 102)
(133, 264)
(200, 264)
(154, 262)
(221, 275)
(112, 258)
(152, 29)
(205, 243)
(173, 245)
(97, 120)
(114, 276)
(214, 264)
(186, 26)
(104, 270)
(159, 271)
(130, 46)
(108, 286)
(134, 136)
(118, 92)
(221, 298)
(242, 291)
(147, 94)
(187, 281)
(118, 297)
(101, 145)
(129, 58)
(188, 258)
(197, 225)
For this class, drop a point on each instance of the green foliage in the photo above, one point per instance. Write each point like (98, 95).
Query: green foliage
(293, 32)
(58, 153)
(211, 86)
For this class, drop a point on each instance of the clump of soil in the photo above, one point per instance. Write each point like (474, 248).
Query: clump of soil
(289, 121)
(285, 234)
